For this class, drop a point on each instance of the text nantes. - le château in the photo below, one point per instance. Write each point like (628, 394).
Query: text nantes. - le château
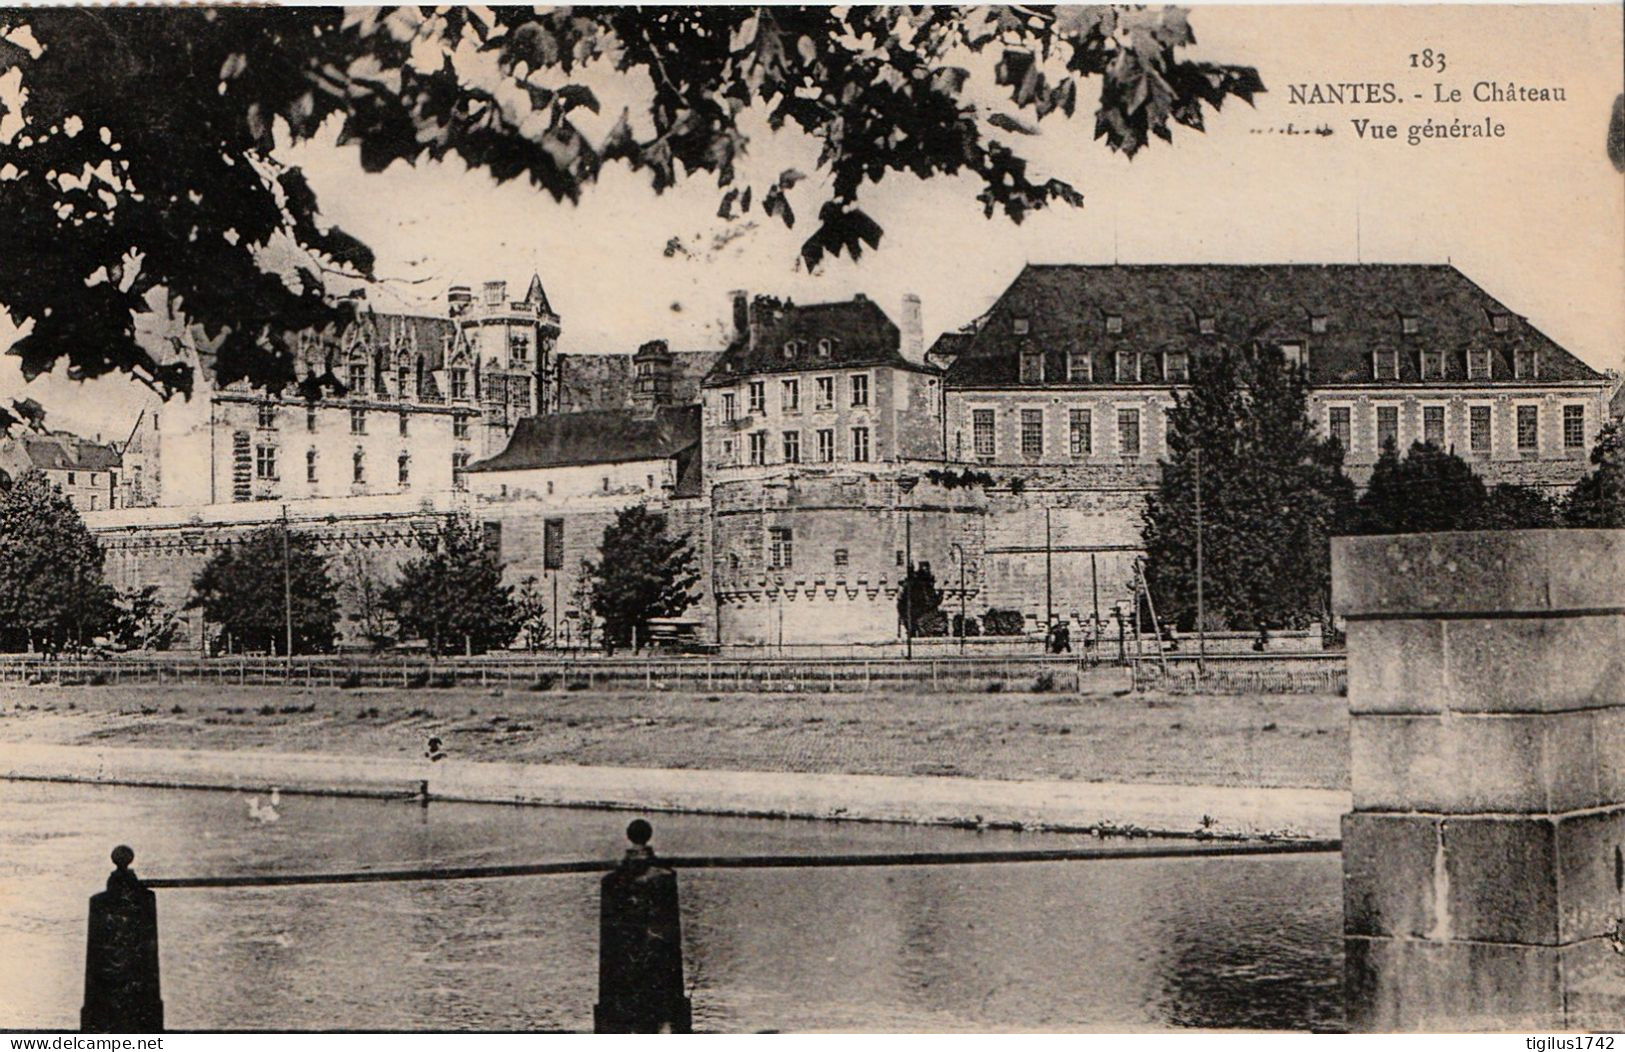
(1364, 92)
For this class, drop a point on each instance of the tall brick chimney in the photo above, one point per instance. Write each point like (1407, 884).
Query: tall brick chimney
(739, 301)
(913, 332)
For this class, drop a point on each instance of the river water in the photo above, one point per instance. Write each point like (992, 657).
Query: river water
(1134, 944)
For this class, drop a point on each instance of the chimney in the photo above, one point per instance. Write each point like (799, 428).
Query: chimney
(740, 300)
(913, 334)
(458, 298)
(754, 322)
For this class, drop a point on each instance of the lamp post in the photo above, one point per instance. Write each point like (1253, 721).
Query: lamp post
(287, 589)
(959, 554)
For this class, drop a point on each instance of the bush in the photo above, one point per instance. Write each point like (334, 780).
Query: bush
(350, 682)
(1044, 683)
(996, 687)
(99, 679)
(417, 681)
(578, 684)
(546, 681)
(1004, 623)
(444, 680)
(966, 626)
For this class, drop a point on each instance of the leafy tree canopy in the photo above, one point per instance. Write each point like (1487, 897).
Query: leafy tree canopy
(142, 157)
(1428, 490)
(919, 603)
(452, 596)
(645, 572)
(1598, 499)
(240, 589)
(52, 592)
(1273, 493)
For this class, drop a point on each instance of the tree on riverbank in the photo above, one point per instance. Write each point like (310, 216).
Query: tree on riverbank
(1431, 490)
(241, 590)
(508, 92)
(1598, 499)
(452, 597)
(1273, 493)
(53, 595)
(644, 573)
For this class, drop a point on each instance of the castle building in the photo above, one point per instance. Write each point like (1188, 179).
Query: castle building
(403, 404)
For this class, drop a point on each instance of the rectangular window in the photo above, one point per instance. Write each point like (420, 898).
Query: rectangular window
(358, 421)
(1081, 437)
(1478, 365)
(1525, 364)
(1080, 367)
(860, 444)
(1528, 428)
(1478, 428)
(1032, 433)
(1176, 367)
(358, 467)
(1128, 367)
(71, 479)
(1317, 323)
(780, 553)
(1433, 425)
(310, 418)
(730, 407)
(553, 544)
(792, 447)
(1574, 427)
(826, 392)
(264, 462)
(519, 346)
(1292, 355)
(459, 383)
(459, 471)
(826, 445)
(1410, 325)
(459, 427)
(790, 396)
(1337, 422)
(1032, 367)
(841, 557)
(1114, 323)
(358, 379)
(267, 415)
(860, 389)
(1207, 325)
(757, 393)
(1385, 365)
(1128, 432)
(310, 465)
(403, 470)
(758, 447)
(406, 426)
(1387, 426)
(1433, 365)
(982, 433)
(1020, 326)
(1500, 322)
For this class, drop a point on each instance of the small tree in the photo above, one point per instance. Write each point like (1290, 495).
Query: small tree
(362, 586)
(583, 602)
(531, 610)
(453, 597)
(52, 592)
(1512, 507)
(919, 603)
(142, 622)
(645, 573)
(241, 590)
(1426, 491)
(1598, 499)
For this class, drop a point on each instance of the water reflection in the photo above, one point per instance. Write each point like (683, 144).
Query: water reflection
(1032, 946)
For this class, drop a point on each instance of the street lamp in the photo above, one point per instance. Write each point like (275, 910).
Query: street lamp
(959, 556)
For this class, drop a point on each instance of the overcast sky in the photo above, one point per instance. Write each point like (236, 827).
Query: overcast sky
(1536, 217)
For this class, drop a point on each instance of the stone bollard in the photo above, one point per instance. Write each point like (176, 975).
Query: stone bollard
(640, 948)
(1484, 861)
(121, 956)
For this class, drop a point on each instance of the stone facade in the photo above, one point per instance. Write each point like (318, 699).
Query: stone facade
(84, 471)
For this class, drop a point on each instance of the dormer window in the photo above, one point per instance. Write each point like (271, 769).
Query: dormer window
(1114, 323)
(1032, 367)
(1207, 325)
(1525, 364)
(790, 348)
(1385, 365)
(1128, 367)
(1478, 365)
(1410, 324)
(1292, 355)
(1317, 323)
(1433, 365)
(1176, 367)
(1020, 326)
(1500, 322)
(1080, 367)
(824, 347)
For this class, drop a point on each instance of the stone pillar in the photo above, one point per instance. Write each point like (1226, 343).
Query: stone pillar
(1484, 861)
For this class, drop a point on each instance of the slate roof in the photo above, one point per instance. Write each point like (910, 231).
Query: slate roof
(62, 451)
(858, 331)
(1066, 307)
(600, 436)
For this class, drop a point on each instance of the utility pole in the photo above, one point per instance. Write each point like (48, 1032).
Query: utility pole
(908, 583)
(961, 553)
(1201, 627)
(287, 588)
(1094, 590)
(1049, 584)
